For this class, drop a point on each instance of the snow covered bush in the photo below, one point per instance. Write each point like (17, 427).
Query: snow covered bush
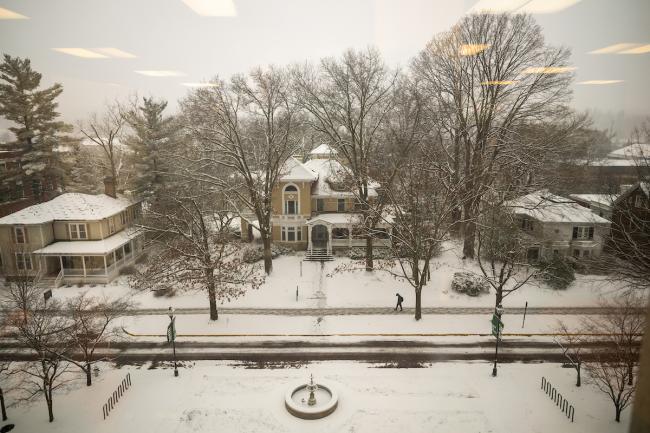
(469, 284)
(256, 253)
(558, 272)
(377, 253)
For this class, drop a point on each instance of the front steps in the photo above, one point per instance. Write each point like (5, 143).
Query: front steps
(318, 255)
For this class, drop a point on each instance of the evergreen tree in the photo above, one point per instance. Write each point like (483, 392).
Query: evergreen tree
(153, 134)
(37, 130)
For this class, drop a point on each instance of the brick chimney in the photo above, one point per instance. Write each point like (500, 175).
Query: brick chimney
(109, 187)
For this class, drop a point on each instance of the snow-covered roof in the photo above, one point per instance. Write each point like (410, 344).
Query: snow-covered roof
(328, 171)
(602, 199)
(336, 218)
(70, 206)
(613, 162)
(643, 186)
(323, 150)
(99, 247)
(546, 207)
(294, 171)
(633, 151)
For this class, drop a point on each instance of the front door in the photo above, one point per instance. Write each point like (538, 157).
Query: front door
(319, 236)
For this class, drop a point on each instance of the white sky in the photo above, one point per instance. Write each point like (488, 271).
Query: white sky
(168, 35)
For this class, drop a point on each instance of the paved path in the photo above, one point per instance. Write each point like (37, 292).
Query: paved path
(334, 311)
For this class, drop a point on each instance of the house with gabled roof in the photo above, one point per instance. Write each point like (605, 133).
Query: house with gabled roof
(314, 208)
(72, 238)
(559, 226)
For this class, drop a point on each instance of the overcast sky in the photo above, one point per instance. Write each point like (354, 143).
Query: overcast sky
(169, 35)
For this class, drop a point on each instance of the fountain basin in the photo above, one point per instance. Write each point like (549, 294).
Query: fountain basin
(297, 396)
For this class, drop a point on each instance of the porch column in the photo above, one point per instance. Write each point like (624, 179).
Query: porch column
(61, 263)
(83, 263)
(329, 235)
(350, 236)
(309, 234)
(105, 267)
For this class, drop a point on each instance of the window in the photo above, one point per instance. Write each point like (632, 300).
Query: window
(78, 231)
(290, 197)
(583, 232)
(341, 205)
(291, 234)
(111, 226)
(320, 205)
(23, 261)
(527, 224)
(585, 253)
(123, 218)
(638, 201)
(556, 253)
(532, 254)
(290, 207)
(20, 235)
(576, 253)
(340, 233)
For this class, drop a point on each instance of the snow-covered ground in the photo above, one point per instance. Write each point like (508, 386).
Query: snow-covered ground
(445, 397)
(193, 326)
(321, 286)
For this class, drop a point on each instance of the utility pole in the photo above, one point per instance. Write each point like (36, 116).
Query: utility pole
(497, 326)
(171, 336)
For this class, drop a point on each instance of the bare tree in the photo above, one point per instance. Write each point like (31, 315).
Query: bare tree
(571, 344)
(248, 127)
(193, 246)
(105, 131)
(501, 253)
(41, 331)
(348, 100)
(88, 323)
(489, 76)
(611, 376)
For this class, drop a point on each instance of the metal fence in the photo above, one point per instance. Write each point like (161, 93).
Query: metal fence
(117, 394)
(559, 400)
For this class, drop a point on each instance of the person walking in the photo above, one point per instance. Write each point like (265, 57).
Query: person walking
(399, 302)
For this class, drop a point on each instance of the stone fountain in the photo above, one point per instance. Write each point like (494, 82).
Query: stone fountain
(311, 400)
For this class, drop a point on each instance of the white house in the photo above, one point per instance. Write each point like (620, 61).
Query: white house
(560, 226)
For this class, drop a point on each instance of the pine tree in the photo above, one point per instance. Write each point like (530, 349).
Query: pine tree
(152, 135)
(38, 132)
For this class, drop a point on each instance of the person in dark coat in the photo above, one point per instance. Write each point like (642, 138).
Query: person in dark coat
(399, 302)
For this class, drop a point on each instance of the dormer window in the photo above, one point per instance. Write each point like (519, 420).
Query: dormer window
(78, 231)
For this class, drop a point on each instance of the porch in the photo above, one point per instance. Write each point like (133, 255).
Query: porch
(331, 231)
(90, 261)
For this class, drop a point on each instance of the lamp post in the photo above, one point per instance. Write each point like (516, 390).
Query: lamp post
(496, 321)
(171, 335)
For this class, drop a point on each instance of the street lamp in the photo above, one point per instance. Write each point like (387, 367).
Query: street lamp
(496, 322)
(171, 335)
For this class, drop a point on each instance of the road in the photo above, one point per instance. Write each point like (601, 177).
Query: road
(399, 352)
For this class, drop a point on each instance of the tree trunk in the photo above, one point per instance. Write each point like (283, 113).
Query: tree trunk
(418, 303)
(268, 258)
(618, 413)
(2, 406)
(369, 258)
(89, 380)
(48, 399)
(468, 241)
(578, 382)
(212, 295)
(630, 374)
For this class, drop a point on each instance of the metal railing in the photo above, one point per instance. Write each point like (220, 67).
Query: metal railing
(558, 399)
(117, 394)
(59, 279)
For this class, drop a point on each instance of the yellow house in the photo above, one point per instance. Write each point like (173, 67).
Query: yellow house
(314, 209)
(71, 238)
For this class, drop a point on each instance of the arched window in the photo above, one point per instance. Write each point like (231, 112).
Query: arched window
(291, 200)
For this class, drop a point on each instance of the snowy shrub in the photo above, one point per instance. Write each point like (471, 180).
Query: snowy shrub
(127, 270)
(469, 284)
(377, 253)
(256, 253)
(558, 272)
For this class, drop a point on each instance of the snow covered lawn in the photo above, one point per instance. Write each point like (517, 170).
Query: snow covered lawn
(320, 286)
(217, 397)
